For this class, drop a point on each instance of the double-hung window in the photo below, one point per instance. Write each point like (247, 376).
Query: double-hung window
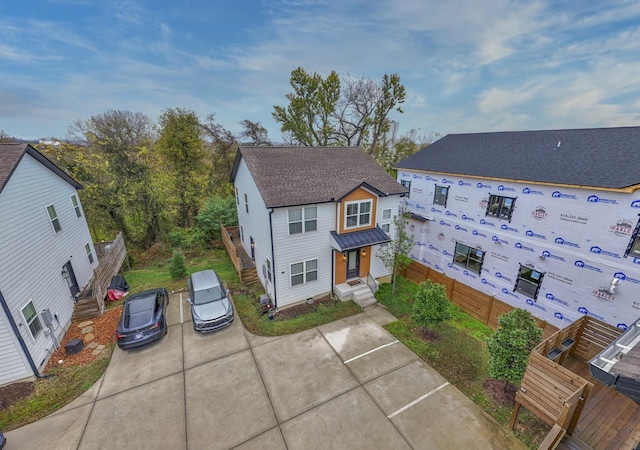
(358, 214)
(407, 185)
(440, 195)
(76, 205)
(237, 197)
(528, 282)
(87, 249)
(304, 272)
(268, 274)
(303, 220)
(53, 217)
(385, 224)
(468, 257)
(500, 207)
(246, 203)
(31, 318)
(633, 248)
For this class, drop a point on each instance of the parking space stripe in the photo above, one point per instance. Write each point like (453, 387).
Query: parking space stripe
(181, 316)
(433, 391)
(371, 351)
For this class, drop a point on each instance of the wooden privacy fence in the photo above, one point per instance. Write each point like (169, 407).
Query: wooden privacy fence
(483, 307)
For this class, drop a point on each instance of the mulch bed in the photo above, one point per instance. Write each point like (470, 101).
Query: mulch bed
(303, 308)
(104, 328)
(427, 334)
(495, 391)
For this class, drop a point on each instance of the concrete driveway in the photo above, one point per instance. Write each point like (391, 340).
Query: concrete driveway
(347, 384)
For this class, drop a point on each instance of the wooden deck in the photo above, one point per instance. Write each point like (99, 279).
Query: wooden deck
(244, 265)
(609, 419)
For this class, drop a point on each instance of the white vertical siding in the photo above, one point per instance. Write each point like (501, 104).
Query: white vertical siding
(13, 364)
(255, 224)
(32, 255)
(378, 269)
(302, 247)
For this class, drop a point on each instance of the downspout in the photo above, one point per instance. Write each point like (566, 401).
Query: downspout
(273, 261)
(333, 271)
(7, 312)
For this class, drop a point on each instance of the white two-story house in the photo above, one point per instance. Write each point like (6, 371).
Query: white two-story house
(542, 220)
(47, 256)
(313, 219)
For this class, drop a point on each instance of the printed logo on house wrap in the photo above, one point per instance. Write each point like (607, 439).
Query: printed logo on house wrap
(436, 210)
(506, 227)
(445, 181)
(561, 241)
(437, 267)
(621, 276)
(596, 199)
(558, 194)
(635, 204)
(405, 175)
(458, 227)
(449, 213)
(540, 213)
(559, 315)
(520, 246)
(622, 326)
(603, 294)
(488, 283)
(477, 233)
(582, 265)
(485, 222)
(424, 261)
(505, 188)
(599, 251)
(548, 254)
(508, 292)
(445, 224)
(463, 183)
(586, 312)
(415, 175)
(435, 249)
(412, 256)
(553, 298)
(446, 253)
(465, 217)
(528, 191)
(419, 206)
(499, 241)
(531, 233)
(451, 266)
(622, 228)
(502, 277)
(428, 178)
(535, 305)
(420, 243)
(636, 260)
(469, 274)
(483, 186)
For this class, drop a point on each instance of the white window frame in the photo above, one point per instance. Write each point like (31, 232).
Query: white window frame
(358, 214)
(87, 249)
(387, 211)
(241, 233)
(308, 274)
(34, 319)
(308, 219)
(246, 202)
(386, 227)
(237, 197)
(269, 272)
(55, 219)
(75, 202)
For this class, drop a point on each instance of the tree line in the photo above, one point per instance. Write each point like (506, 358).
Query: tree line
(168, 181)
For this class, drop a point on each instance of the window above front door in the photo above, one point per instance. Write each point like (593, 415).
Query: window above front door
(358, 214)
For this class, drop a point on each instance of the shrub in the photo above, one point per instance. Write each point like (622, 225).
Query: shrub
(177, 269)
(511, 344)
(431, 305)
(214, 211)
(188, 238)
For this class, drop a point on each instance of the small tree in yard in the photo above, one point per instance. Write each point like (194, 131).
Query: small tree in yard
(511, 344)
(177, 268)
(431, 305)
(395, 256)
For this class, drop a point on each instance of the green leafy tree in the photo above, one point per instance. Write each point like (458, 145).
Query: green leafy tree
(253, 133)
(177, 268)
(395, 256)
(431, 305)
(217, 210)
(511, 345)
(222, 146)
(309, 116)
(181, 145)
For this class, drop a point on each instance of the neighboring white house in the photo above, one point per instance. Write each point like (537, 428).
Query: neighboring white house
(46, 258)
(313, 218)
(542, 220)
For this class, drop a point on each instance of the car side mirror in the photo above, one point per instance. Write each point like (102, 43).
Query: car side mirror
(189, 300)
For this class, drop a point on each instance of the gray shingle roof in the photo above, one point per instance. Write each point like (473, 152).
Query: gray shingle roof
(288, 176)
(596, 157)
(11, 154)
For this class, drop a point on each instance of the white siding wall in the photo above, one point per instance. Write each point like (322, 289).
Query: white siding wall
(32, 255)
(576, 237)
(378, 269)
(301, 247)
(13, 363)
(255, 224)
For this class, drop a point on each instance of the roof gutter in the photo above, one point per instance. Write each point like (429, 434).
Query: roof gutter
(11, 320)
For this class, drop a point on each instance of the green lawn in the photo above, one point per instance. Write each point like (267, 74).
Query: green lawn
(459, 354)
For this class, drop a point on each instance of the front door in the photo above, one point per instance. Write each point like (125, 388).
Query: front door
(253, 249)
(70, 276)
(353, 264)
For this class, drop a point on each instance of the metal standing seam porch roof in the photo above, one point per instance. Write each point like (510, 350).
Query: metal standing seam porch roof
(597, 157)
(357, 239)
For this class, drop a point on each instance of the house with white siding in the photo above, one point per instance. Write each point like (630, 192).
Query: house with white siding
(47, 256)
(543, 220)
(313, 219)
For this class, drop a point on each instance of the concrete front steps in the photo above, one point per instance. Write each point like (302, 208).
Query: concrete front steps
(359, 293)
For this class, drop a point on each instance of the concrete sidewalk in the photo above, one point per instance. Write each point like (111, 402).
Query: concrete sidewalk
(347, 384)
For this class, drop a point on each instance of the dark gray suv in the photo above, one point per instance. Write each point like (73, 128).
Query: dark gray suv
(211, 308)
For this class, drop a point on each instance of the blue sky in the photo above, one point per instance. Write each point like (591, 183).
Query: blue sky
(467, 65)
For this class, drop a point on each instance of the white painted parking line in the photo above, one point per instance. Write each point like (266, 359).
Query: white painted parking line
(371, 351)
(433, 391)
(181, 316)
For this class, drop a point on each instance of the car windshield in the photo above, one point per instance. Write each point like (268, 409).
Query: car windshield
(208, 295)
